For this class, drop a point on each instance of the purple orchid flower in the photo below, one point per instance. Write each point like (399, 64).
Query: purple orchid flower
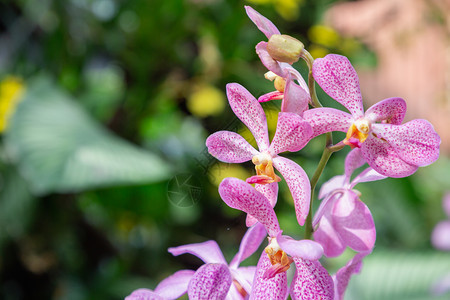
(270, 279)
(295, 95)
(342, 218)
(172, 287)
(213, 280)
(292, 134)
(440, 237)
(391, 148)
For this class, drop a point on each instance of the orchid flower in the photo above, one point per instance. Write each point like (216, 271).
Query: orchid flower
(391, 148)
(172, 287)
(440, 237)
(216, 279)
(295, 96)
(270, 281)
(342, 218)
(292, 134)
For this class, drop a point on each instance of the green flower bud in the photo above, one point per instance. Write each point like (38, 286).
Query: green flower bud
(284, 48)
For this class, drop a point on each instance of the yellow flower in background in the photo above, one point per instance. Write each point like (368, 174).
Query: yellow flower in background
(206, 100)
(318, 51)
(324, 35)
(220, 171)
(11, 90)
(288, 9)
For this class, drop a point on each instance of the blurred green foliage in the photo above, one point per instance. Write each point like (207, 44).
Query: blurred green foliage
(103, 165)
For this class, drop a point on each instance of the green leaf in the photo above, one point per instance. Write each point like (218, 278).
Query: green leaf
(60, 148)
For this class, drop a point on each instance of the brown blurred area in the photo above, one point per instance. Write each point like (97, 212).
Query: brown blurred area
(411, 39)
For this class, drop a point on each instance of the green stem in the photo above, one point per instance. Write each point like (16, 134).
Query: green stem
(311, 83)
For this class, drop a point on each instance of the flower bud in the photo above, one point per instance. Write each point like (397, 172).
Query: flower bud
(284, 48)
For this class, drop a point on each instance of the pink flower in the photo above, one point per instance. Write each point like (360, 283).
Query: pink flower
(270, 279)
(295, 96)
(343, 219)
(440, 237)
(292, 134)
(392, 149)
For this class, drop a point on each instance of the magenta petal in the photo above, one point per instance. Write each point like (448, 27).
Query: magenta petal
(440, 238)
(327, 236)
(368, 175)
(270, 191)
(263, 24)
(211, 281)
(207, 251)
(175, 285)
(391, 110)
(296, 99)
(415, 142)
(382, 157)
(326, 119)
(353, 222)
(298, 184)
(292, 133)
(144, 294)
(275, 288)
(249, 244)
(271, 96)
(342, 276)
(336, 182)
(311, 281)
(306, 249)
(240, 195)
(268, 61)
(230, 147)
(250, 112)
(353, 161)
(337, 77)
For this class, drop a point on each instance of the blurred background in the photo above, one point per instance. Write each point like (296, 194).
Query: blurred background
(105, 106)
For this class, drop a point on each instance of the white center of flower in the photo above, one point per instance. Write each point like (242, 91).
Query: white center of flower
(262, 159)
(363, 125)
(270, 75)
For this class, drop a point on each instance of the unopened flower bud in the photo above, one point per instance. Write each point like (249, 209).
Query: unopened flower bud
(284, 48)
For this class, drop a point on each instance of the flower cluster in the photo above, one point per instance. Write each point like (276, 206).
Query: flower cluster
(377, 138)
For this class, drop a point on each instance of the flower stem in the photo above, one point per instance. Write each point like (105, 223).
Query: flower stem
(307, 57)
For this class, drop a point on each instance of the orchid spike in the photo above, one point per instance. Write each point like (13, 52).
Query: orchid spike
(292, 134)
(295, 95)
(216, 279)
(342, 218)
(391, 148)
(440, 237)
(240, 195)
(170, 288)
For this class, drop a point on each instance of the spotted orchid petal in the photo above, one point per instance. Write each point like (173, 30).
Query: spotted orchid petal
(296, 98)
(249, 244)
(327, 236)
(342, 276)
(144, 294)
(353, 161)
(268, 61)
(311, 281)
(383, 158)
(271, 96)
(263, 24)
(415, 142)
(275, 288)
(391, 111)
(230, 147)
(270, 191)
(250, 112)
(175, 285)
(292, 134)
(353, 222)
(207, 251)
(326, 119)
(337, 77)
(210, 281)
(240, 195)
(440, 237)
(298, 184)
(306, 249)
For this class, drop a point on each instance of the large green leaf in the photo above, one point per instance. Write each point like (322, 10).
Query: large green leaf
(400, 276)
(60, 148)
